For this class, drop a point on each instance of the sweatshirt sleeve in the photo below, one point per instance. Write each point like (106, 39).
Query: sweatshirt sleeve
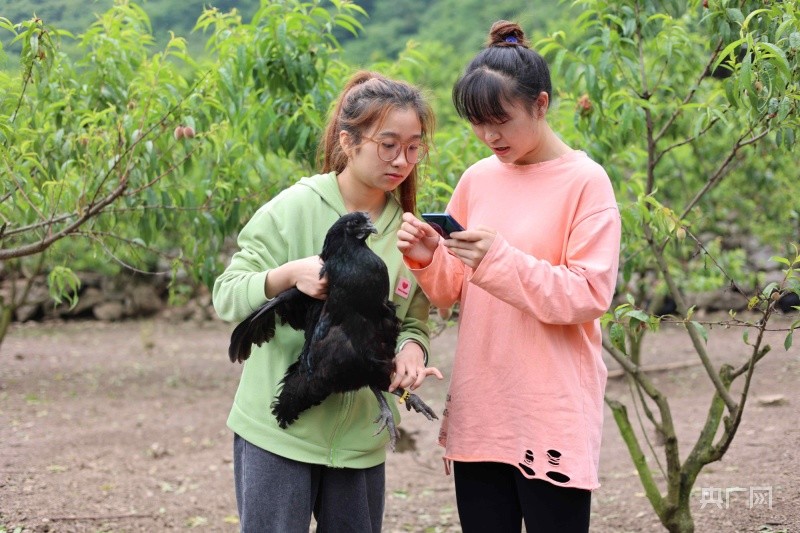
(578, 291)
(414, 325)
(239, 290)
(442, 278)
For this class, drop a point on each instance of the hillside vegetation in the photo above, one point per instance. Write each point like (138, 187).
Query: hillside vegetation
(166, 16)
(389, 24)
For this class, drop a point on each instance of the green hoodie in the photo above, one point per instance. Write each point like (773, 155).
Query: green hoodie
(341, 430)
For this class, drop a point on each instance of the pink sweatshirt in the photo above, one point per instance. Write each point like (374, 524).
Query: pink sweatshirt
(528, 379)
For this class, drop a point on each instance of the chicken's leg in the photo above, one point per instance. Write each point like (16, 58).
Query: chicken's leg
(385, 418)
(412, 400)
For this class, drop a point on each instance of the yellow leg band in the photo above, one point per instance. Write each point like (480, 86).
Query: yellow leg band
(404, 396)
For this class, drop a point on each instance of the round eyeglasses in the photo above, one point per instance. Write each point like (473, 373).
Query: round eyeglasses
(388, 150)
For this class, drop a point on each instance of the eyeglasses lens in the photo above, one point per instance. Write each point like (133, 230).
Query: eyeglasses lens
(389, 152)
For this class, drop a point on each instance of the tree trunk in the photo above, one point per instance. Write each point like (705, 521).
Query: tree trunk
(679, 519)
(5, 320)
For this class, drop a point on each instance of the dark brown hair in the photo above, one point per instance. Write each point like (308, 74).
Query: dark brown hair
(365, 101)
(505, 71)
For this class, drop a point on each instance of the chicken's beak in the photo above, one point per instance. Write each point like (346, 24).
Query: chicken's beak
(366, 229)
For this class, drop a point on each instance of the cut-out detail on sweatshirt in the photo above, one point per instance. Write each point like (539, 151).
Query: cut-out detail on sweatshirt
(554, 459)
(526, 463)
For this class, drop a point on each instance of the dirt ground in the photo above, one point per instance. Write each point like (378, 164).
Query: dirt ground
(121, 427)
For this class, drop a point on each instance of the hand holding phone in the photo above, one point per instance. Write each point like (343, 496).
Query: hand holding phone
(443, 223)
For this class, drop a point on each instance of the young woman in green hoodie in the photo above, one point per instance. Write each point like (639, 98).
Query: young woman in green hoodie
(329, 462)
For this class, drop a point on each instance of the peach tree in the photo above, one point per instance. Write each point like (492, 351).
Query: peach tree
(144, 159)
(692, 106)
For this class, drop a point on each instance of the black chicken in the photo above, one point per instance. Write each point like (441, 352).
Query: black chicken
(350, 337)
(788, 302)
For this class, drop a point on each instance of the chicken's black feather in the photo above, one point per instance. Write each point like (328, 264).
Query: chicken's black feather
(350, 336)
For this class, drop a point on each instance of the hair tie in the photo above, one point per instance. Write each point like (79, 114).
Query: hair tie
(511, 39)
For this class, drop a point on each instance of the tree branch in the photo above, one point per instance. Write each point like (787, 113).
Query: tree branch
(690, 94)
(688, 140)
(651, 417)
(683, 308)
(97, 236)
(157, 207)
(671, 449)
(96, 207)
(48, 241)
(639, 460)
(721, 169)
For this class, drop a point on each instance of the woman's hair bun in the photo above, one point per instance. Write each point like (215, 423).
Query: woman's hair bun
(505, 33)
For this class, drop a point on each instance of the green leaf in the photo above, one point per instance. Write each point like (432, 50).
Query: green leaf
(779, 259)
(627, 271)
(6, 24)
(620, 310)
(728, 52)
(700, 329)
(638, 315)
(788, 138)
(780, 56)
(746, 75)
(746, 22)
(769, 289)
(784, 108)
(730, 95)
(735, 15)
(617, 335)
(63, 284)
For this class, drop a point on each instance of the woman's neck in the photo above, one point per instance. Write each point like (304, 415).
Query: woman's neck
(358, 197)
(552, 147)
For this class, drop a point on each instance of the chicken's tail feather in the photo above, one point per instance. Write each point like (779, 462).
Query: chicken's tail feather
(258, 328)
(291, 306)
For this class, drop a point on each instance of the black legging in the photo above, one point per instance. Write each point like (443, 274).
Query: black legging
(496, 497)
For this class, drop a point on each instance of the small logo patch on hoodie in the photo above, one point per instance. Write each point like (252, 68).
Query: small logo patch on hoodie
(403, 287)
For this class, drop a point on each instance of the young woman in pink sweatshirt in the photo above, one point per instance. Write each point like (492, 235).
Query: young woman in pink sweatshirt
(534, 271)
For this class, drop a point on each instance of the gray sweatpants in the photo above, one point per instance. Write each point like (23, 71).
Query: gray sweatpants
(276, 494)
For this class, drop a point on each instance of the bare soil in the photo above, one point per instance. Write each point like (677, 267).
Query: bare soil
(121, 427)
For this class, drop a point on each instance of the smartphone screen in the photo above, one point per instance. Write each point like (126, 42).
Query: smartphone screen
(443, 223)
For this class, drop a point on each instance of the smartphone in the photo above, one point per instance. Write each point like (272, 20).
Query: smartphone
(443, 223)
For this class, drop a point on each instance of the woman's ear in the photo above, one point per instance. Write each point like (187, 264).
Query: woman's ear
(542, 104)
(346, 142)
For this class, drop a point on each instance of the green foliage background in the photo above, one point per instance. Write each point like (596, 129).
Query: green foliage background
(428, 43)
(75, 16)
(388, 25)
(110, 51)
